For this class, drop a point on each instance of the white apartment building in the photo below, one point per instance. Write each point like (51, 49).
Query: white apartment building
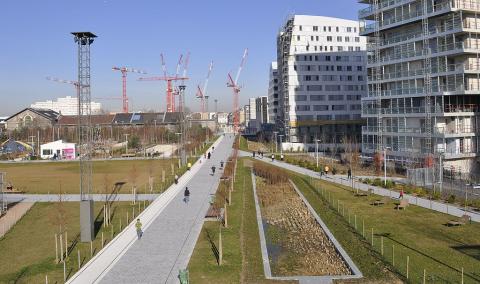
(261, 111)
(424, 81)
(321, 79)
(273, 97)
(66, 106)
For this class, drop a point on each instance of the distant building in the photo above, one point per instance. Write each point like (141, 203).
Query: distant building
(273, 97)
(3, 124)
(261, 110)
(321, 78)
(66, 106)
(31, 117)
(58, 150)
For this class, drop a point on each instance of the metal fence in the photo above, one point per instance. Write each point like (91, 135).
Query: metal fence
(425, 177)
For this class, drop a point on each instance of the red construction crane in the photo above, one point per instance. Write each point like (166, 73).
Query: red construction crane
(184, 75)
(236, 91)
(124, 71)
(202, 92)
(170, 80)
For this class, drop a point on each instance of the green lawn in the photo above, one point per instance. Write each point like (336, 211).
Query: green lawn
(417, 232)
(28, 249)
(241, 244)
(49, 177)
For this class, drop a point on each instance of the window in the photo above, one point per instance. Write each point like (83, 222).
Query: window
(347, 39)
(300, 28)
(327, 58)
(315, 28)
(331, 48)
(324, 117)
(335, 97)
(47, 152)
(340, 48)
(302, 108)
(357, 48)
(311, 38)
(339, 68)
(350, 48)
(298, 38)
(339, 38)
(314, 88)
(300, 98)
(320, 108)
(324, 29)
(328, 78)
(354, 29)
(357, 39)
(329, 38)
(337, 29)
(355, 107)
(329, 29)
(307, 78)
(317, 97)
(332, 88)
(338, 58)
(349, 68)
(27, 121)
(360, 78)
(349, 29)
(338, 107)
(359, 68)
(317, 38)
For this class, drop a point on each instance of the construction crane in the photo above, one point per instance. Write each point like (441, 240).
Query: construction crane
(182, 83)
(124, 71)
(170, 81)
(74, 83)
(202, 92)
(236, 90)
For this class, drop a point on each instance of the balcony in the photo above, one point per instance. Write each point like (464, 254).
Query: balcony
(454, 68)
(411, 16)
(437, 131)
(363, 13)
(450, 88)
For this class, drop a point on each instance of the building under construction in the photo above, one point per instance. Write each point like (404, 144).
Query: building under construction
(423, 81)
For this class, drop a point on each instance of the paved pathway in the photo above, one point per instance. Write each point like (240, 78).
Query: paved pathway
(74, 197)
(170, 236)
(422, 202)
(12, 216)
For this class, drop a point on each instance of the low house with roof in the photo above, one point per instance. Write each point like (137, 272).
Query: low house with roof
(32, 117)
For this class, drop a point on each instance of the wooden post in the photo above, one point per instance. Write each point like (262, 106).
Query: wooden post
(343, 209)
(61, 247)
(355, 221)
(120, 225)
(64, 272)
(225, 218)
(139, 208)
(462, 275)
(56, 248)
(173, 169)
(133, 213)
(102, 240)
(230, 197)
(144, 202)
(163, 176)
(220, 247)
(111, 232)
(46, 279)
(372, 237)
(79, 259)
(393, 254)
(381, 241)
(363, 228)
(348, 217)
(424, 276)
(91, 248)
(104, 215)
(66, 244)
(408, 260)
(127, 219)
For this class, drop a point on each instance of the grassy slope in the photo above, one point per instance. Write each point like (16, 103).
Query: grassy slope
(416, 232)
(203, 266)
(28, 249)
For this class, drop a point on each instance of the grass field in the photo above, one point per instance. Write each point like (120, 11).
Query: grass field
(28, 249)
(241, 244)
(417, 232)
(50, 177)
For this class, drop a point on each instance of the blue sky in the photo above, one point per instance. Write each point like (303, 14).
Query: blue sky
(36, 43)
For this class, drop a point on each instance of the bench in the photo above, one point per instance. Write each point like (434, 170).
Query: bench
(380, 201)
(361, 194)
(402, 205)
(462, 221)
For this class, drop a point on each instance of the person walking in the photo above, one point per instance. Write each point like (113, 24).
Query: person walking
(281, 157)
(221, 164)
(189, 166)
(213, 170)
(349, 173)
(254, 154)
(138, 226)
(176, 179)
(186, 195)
(273, 158)
(209, 155)
(326, 170)
(401, 194)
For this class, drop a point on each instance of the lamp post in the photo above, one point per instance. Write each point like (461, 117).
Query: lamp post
(316, 150)
(385, 164)
(281, 148)
(126, 144)
(276, 145)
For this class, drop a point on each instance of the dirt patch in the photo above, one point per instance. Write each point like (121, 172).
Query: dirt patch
(297, 243)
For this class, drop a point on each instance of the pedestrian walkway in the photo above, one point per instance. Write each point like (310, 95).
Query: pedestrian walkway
(171, 229)
(422, 202)
(14, 213)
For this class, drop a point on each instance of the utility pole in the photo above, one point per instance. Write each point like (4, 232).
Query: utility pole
(126, 143)
(183, 125)
(85, 139)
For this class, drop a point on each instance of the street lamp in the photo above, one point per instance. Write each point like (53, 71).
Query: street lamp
(316, 149)
(281, 147)
(276, 146)
(385, 164)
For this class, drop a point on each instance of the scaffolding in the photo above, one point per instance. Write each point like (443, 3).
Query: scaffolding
(427, 84)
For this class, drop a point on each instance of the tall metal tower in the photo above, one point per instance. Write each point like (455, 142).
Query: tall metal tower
(183, 124)
(85, 134)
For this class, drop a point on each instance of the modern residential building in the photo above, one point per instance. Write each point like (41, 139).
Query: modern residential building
(252, 121)
(66, 106)
(261, 111)
(423, 81)
(273, 97)
(321, 79)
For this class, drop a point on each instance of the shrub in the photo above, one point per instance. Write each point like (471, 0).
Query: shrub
(389, 184)
(271, 174)
(377, 182)
(334, 171)
(436, 195)
(451, 198)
